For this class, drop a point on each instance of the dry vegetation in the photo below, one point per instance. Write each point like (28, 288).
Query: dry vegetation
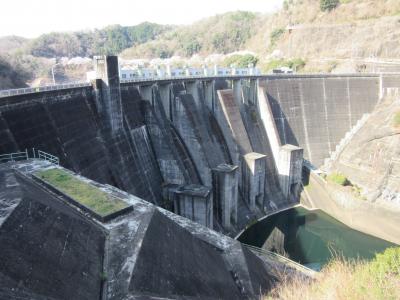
(343, 280)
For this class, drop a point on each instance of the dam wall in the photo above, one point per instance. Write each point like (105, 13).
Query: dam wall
(315, 112)
(51, 249)
(67, 124)
(153, 138)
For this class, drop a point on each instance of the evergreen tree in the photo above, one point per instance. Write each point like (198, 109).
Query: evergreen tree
(328, 4)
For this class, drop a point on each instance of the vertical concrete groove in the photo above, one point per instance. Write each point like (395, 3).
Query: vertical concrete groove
(282, 118)
(303, 111)
(326, 116)
(349, 100)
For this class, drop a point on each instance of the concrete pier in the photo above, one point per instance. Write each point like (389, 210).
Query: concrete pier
(253, 179)
(146, 92)
(288, 158)
(109, 95)
(290, 168)
(165, 95)
(192, 87)
(192, 201)
(225, 193)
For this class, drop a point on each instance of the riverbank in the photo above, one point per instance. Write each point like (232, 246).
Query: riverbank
(361, 215)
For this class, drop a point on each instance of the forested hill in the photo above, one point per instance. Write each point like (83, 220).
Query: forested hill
(11, 76)
(308, 35)
(230, 32)
(112, 39)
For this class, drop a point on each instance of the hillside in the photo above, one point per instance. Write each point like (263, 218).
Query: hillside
(10, 43)
(325, 40)
(230, 32)
(300, 35)
(11, 76)
(109, 40)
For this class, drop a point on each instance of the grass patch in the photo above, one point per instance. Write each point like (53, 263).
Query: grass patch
(88, 195)
(338, 178)
(396, 119)
(343, 279)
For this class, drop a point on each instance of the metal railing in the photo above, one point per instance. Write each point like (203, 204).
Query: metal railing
(282, 259)
(25, 155)
(13, 92)
(16, 156)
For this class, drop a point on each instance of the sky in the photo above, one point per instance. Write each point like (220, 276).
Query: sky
(30, 18)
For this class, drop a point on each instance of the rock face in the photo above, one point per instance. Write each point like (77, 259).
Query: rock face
(371, 159)
(52, 250)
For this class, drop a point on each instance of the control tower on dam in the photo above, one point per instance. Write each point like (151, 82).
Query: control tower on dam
(220, 151)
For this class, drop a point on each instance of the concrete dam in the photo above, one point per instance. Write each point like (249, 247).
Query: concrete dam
(219, 151)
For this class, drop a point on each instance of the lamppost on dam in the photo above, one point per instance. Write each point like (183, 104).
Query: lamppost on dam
(52, 72)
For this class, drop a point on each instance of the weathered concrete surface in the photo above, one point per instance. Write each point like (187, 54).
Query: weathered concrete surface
(52, 250)
(315, 113)
(290, 168)
(108, 97)
(252, 170)
(194, 202)
(67, 124)
(288, 158)
(225, 194)
(253, 179)
(48, 247)
(232, 114)
(197, 125)
(175, 131)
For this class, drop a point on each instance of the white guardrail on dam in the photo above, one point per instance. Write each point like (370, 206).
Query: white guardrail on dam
(13, 92)
(30, 90)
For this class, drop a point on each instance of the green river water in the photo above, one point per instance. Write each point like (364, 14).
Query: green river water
(312, 237)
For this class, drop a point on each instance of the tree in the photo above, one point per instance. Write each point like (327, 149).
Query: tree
(241, 61)
(276, 35)
(328, 4)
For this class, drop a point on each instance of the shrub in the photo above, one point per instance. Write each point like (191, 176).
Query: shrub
(387, 262)
(296, 64)
(396, 119)
(338, 178)
(241, 61)
(328, 4)
(347, 279)
(276, 35)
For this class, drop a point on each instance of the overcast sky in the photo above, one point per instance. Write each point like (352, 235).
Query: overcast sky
(30, 18)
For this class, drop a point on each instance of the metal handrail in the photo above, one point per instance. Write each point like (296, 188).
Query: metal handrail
(25, 155)
(13, 92)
